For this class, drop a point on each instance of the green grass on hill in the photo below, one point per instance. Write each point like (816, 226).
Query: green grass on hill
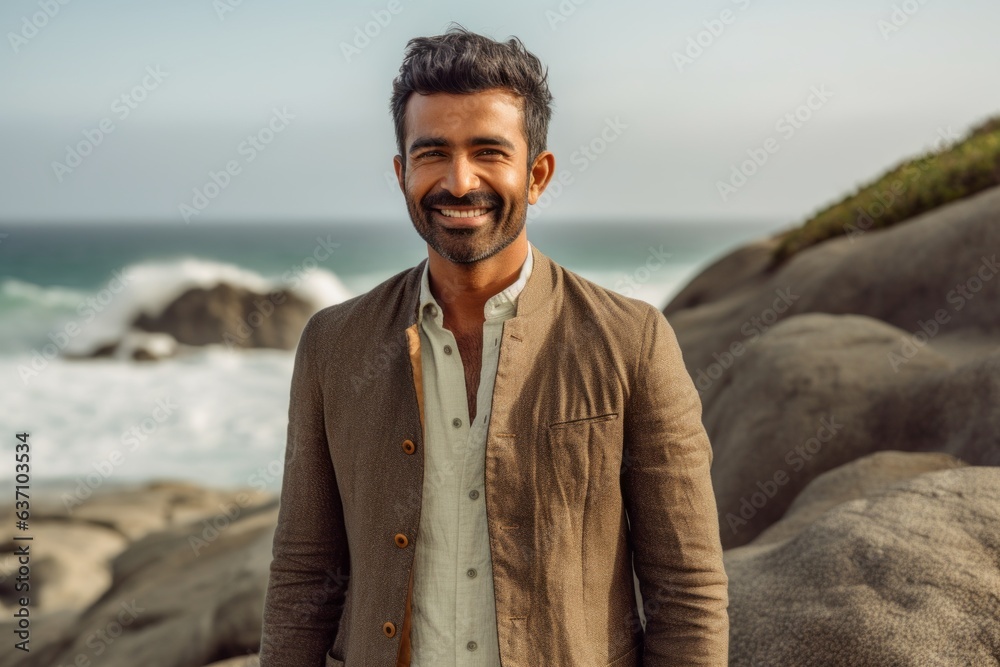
(911, 188)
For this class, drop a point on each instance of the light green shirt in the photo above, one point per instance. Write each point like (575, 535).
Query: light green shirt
(453, 606)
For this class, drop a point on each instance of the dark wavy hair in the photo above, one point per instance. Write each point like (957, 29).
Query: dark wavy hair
(462, 62)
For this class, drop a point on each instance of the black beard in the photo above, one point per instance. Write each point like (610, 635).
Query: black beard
(468, 246)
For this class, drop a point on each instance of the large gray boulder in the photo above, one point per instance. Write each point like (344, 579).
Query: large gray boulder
(817, 391)
(893, 559)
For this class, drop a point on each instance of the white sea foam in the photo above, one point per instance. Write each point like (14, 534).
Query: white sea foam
(222, 416)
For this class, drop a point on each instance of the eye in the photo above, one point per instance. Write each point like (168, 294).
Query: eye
(492, 152)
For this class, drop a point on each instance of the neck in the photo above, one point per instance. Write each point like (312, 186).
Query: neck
(463, 289)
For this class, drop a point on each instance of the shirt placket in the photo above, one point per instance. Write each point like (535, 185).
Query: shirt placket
(474, 574)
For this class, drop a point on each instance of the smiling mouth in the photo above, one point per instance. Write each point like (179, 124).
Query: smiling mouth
(462, 213)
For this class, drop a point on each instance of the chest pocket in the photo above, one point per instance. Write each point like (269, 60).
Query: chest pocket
(583, 453)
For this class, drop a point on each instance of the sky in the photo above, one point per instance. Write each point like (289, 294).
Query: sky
(132, 110)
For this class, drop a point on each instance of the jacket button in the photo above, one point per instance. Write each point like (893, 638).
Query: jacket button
(401, 542)
(389, 629)
(409, 447)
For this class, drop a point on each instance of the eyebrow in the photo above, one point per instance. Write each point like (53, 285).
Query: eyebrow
(440, 142)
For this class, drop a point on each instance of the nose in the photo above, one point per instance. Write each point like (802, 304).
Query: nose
(461, 177)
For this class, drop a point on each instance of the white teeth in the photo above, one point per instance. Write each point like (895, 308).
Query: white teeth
(451, 213)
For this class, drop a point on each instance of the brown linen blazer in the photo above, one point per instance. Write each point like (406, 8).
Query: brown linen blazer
(596, 460)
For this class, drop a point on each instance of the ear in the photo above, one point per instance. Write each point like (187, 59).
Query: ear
(397, 164)
(542, 171)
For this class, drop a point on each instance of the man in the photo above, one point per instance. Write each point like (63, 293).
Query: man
(481, 447)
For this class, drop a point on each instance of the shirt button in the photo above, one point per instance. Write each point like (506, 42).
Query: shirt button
(432, 310)
(447, 349)
(471, 572)
(409, 447)
(456, 422)
(472, 646)
(473, 494)
(389, 629)
(401, 540)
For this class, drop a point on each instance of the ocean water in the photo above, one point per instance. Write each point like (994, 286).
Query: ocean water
(218, 417)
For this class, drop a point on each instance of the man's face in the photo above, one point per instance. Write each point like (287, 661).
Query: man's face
(466, 182)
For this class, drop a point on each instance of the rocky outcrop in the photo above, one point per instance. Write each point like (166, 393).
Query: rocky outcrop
(890, 340)
(845, 392)
(893, 559)
(180, 598)
(233, 316)
(124, 574)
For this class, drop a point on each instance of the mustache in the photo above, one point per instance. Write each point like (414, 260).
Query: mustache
(473, 199)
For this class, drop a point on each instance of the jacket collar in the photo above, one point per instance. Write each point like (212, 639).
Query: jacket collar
(533, 298)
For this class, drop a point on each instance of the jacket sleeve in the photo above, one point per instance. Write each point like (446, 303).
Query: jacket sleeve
(310, 566)
(673, 520)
